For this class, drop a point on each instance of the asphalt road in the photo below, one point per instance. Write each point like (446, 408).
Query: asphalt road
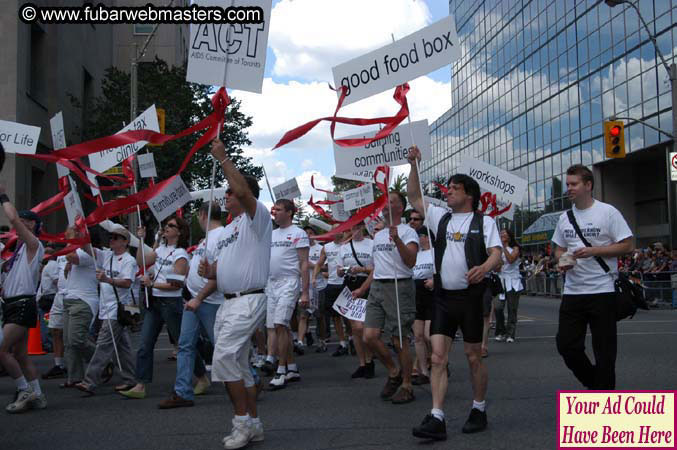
(328, 410)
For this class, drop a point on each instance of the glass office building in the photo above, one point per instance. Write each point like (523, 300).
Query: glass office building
(530, 92)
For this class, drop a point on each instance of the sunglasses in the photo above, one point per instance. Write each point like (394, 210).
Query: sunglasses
(114, 237)
(415, 219)
(229, 191)
(172, 225)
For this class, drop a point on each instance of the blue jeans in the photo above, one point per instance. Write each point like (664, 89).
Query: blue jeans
(185, 359)
(163, 310)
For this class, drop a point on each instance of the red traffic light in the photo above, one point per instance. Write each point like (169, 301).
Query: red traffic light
(615, 131)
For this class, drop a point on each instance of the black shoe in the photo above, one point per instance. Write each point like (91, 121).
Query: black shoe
(55, 372)
(309, 339)
(321, 348)
(477, 421)
(340, 351)
(360, 372)
(369, 370)
(352, 348)
(268, 368)
(107, 373)
(431, 428)
(420, 380)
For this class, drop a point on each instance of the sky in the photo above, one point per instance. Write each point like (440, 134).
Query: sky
(309, 37)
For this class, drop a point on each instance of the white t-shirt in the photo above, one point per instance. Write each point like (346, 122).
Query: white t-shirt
(602, 225)
(195, 282)
(82, 282)
(332, 252)
(425, 266)
(284, 259)
(22, 278)
(388, 263)
(365, 252)
(510, 273)
(244, 252)
(124, 268)
(49, 279)
(163, 269)
(454, 266)
(314, 256)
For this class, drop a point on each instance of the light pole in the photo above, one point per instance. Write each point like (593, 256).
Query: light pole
(672, 74)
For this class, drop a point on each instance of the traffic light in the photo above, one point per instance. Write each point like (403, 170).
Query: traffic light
(614, 139)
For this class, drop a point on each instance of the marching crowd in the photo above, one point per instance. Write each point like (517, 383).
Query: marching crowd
(252, 288)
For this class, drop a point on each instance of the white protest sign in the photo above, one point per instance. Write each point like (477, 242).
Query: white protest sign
(58, 140)
(358, 197)
(95, 191)
(246, 45)
(289, 190)
(219, 196)
(349, 307)
(338, 212)
(408, 58)
(105, 159)
(391, 150)
(73, 204)
(147, 165)
(319, 224)
(508, 188)
(366, 176)
(371, 225)
(19, 138)
(174, 196)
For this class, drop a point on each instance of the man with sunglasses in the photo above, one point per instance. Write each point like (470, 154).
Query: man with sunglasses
(240, 272)
(415, 220)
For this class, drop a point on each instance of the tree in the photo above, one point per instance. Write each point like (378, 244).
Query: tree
(400, 184)
(185, 105)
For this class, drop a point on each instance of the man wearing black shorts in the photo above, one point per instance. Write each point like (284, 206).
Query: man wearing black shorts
(466, 250)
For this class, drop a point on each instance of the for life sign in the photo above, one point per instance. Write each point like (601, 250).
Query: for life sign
(289, 190)
(673, 166)
(358, 197)
(219, 196)
(105, 159)
(174, 196)
(406, 59)
(58, 140)
(244, 46)
(19, 138)
(391, 150)
(147, 165)
(508, 188)
(349, 307)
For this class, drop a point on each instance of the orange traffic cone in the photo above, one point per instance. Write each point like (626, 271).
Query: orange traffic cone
(35, 341)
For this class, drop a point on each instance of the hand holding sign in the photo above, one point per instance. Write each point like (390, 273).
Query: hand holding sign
(414, 155)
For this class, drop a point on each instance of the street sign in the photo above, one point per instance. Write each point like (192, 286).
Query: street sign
(673, 166)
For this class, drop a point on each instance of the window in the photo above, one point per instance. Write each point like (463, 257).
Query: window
(143, 28)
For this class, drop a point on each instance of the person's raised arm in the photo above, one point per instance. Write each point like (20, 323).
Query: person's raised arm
(236, 180)
(26, 235)
(413, 191)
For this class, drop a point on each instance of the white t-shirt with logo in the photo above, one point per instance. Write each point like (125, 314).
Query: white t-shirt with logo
(195, 282)
(22, 278)
(163, 269)
(602, 225)
(388, 263)
(244, 252)
(82, 283)
(454, 265)
(365, 252)
(123, 268)
(314, 256)
(425, 266)
(284, 259)
(332, 252)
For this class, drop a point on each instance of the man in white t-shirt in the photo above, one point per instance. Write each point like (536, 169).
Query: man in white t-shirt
(288, 266)
(115, 276)
(589, 295)
(472, 248)
(81, 305)
(241, 272)
(198, 313)
(394, 255)
(316, 293)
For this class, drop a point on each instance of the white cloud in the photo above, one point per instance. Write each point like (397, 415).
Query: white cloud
(307, 48)
(307, 163)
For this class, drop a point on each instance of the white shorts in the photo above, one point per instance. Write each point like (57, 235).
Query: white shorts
(282, 296)
(236, 321)
(56, 313)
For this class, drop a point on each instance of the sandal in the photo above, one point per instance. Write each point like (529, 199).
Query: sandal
(84, 388)
(123, 387)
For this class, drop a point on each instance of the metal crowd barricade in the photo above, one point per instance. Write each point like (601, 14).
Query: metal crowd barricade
(660, 287)
(543, 284)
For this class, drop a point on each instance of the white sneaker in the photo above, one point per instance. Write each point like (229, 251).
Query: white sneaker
(259, 360)
(239, 436)
(278, 382)
(39, 403)
(500, 338)
(292, 376)
(509, 340)
(22, 402)
(256, 430)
